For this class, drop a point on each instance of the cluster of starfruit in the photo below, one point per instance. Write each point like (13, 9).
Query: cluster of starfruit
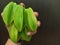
(20, 21)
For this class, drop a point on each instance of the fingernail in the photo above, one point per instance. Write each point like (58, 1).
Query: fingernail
(38, 23)
(29, 33)
(22, 4)
(36, 14)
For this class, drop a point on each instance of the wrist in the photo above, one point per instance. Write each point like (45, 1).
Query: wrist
(10, 42)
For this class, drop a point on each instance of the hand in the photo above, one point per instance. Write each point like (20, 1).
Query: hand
(9, 42)
(38, 23)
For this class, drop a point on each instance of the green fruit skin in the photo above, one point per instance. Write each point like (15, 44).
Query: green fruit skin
(8, 13)
(24, 21)
(25, 29)
(13, 33)
(18, 17)
(24, 34)
(31, 19)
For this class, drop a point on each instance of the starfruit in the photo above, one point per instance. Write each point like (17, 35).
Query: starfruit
(31, 19)
(13, 33)
(25, 29)
(8, 13)
(24, 34)
(18, 17)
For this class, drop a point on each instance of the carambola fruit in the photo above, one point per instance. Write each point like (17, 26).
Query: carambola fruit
(8, 13)
(18, 17)
(24, 34)
(13, 33)
(31, 19)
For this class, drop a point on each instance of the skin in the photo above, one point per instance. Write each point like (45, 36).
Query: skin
(9, 42)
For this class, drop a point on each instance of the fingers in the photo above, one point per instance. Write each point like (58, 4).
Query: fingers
(38, 23)
(31, 33)
(1, 14)
(36, 14)
(22, 4)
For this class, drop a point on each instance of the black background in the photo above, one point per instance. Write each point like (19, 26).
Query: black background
(49, 15)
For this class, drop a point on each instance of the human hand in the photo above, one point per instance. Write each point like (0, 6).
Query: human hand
(38, 23)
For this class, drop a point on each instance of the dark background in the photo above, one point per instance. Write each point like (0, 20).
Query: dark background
(49, 15)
